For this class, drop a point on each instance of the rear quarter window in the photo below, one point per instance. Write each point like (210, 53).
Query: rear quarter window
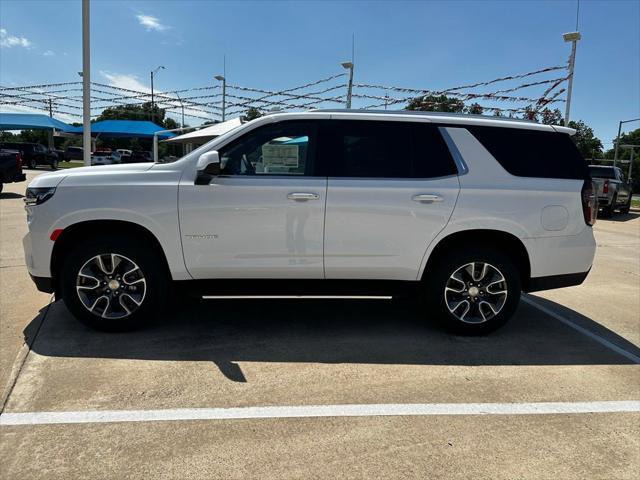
(533, 153)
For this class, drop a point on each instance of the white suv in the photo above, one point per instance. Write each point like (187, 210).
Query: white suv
(464, 211)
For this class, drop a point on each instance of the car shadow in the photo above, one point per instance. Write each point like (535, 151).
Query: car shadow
(11, 195)
(620, 217)
(226, 332)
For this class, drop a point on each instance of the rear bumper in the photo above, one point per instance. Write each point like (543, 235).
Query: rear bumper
(604, 201)
(556, 281)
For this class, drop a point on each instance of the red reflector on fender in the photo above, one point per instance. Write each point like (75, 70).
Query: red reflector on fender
(55, 234)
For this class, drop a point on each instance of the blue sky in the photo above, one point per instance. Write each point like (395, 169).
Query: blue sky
(275, 45)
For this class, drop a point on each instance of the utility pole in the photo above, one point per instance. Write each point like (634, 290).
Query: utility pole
(572, 37)
(86, 84)
(615, 152)
(153, 72)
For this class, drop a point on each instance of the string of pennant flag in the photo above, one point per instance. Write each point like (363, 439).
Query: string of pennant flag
(206, 102)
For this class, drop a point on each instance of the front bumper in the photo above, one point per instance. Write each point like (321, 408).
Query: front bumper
(44, 284)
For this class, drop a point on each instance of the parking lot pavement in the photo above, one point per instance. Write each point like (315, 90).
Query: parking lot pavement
(240, 353)
(19, 300)
(611, 293)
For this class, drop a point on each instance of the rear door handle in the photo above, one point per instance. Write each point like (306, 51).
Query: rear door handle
(303, 196)
(427, 198)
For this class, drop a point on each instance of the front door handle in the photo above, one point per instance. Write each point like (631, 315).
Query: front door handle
(427, 198)
(303, 196)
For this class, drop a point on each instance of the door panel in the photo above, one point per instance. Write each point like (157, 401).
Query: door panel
(247, 227)
(375, 229)
(264, 216)
(392, 188)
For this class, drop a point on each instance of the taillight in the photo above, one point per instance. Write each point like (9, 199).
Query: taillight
(605, 187)
(18, 161)
(589, 203)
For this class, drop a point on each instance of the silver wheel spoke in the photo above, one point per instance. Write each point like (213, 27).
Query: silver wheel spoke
(469, 296)
(107, 294)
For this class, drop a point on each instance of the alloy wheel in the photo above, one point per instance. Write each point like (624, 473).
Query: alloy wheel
(111, 286)
(476, 292)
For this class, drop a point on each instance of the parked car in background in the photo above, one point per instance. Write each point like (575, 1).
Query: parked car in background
(464, 212)
(10, 167)
(73, 153)
(124, 151)
(33, 154)
(138, 156)
(612, 188)
(105, 158)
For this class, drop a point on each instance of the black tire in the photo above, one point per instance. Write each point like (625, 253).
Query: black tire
(146, 259)
(32, 164)
(607, 212)
(451, 261)
(627, 206)
(54, 164)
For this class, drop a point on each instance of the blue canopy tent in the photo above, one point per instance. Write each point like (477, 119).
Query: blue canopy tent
(125, 128)
(31, 121)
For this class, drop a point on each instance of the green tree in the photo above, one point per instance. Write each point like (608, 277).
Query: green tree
(589, 145)
(251, 114)
(143, 111)
(551, 117)
(436, 103)
(170, 124)
(474, 109)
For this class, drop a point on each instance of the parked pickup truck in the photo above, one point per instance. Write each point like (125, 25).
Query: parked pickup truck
(612, 188)
(10, 167)
(33, 154)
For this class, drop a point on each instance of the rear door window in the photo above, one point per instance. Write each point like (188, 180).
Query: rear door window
(377, 149)
(533, 153)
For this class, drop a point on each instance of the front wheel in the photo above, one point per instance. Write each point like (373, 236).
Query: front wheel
(473, 291)
(112, 284)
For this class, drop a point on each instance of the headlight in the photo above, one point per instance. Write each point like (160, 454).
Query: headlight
(36, 196)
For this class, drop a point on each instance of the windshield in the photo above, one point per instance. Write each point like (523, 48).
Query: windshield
(602, 172)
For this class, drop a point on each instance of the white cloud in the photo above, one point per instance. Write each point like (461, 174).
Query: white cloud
(122, 80)
(49, 53)
(131, 82)
(151, 23)
(8, 41)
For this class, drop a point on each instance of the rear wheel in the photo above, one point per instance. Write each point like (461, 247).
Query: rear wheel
(627, 206)
(112, 284)
(473, 291)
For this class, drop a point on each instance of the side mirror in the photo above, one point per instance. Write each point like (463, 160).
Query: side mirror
(208, 167)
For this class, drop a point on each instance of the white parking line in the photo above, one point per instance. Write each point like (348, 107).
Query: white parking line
(311, 411)
(601, 340)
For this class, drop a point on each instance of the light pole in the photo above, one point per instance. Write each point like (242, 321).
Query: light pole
(349, 66)
(222, 78)
(632, 148)
(153, 73)
(181, 124)
(572, 37)
(615, 153)
(86, 85)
